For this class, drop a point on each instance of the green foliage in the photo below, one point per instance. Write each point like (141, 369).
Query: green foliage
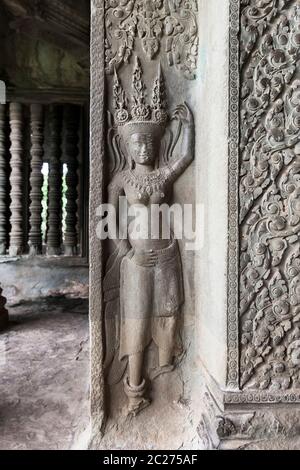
(45, 192)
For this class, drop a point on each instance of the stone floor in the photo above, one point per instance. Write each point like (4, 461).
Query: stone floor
(44, 368)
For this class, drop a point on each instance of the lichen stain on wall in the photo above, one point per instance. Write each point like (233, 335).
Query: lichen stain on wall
(35, 63)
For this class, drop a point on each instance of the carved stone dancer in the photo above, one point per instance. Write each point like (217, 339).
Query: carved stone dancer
(36, 179)
(54, 233)
(16, 181)
(147, 273)
(3, 183)
(71, 122)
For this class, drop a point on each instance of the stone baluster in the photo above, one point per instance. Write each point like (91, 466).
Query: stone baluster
(71, 123)
(3, 183)
(36, 179)
(16, 180)
(54, 232)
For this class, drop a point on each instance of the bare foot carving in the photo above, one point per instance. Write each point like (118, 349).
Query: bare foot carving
(136, 400)
(135, 406)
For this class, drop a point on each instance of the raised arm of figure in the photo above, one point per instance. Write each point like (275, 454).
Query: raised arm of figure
(185, 116)
(115, 191)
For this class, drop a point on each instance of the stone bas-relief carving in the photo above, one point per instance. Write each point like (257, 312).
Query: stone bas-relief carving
(270, 196)
(161, 25)
(143, 285)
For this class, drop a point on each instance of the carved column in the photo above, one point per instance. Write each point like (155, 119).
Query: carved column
(96, 197)
(36, 179)
(3, 185)
(253, 396)
(54, 233)
(71, 125)
(16, 180)
(3, 312)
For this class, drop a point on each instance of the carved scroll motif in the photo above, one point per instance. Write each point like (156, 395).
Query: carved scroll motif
(270, 195)
(71, 117)
(169, 25)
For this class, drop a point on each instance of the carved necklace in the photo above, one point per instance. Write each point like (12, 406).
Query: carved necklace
(149, 183)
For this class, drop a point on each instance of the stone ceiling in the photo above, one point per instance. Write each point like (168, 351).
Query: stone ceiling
(46, 43)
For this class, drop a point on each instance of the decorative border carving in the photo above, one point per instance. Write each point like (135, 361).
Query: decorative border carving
(97, 155)
(258, 397)
(234, 395)
(233, 207)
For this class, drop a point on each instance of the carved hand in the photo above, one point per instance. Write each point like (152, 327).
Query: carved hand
(184, 114)
(145, 258)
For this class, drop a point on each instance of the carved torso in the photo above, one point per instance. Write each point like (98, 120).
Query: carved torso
(147, 189)
(151, 188)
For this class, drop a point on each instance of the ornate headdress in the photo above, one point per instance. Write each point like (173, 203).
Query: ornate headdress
(142, 118)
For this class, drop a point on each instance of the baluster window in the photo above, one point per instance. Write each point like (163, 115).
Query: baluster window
(43, 163)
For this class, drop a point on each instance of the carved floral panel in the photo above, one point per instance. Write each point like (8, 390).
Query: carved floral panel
(163, 26)
(270, 195)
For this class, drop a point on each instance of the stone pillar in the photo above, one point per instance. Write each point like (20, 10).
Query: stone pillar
(3, 182)
(16, 181)
(71, 127)
(54, 232)
(3, 312)
(97, 115)
(244, 349)
(36, 179)
(138, 91)
(248, 299)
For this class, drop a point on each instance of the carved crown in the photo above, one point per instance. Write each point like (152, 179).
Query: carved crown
(141, 115)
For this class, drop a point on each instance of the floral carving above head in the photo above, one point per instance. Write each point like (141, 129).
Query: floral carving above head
(169, 25)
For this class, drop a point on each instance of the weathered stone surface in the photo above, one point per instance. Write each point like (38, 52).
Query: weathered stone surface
(54, 225)
(147, 175)
(33, 278)
(44, 376)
